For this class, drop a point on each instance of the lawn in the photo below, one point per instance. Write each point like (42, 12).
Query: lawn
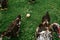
(29, 25)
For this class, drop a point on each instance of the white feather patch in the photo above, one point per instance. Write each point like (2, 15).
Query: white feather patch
(0, 38)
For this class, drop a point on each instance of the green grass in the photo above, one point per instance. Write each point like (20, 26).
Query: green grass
(29, 25)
